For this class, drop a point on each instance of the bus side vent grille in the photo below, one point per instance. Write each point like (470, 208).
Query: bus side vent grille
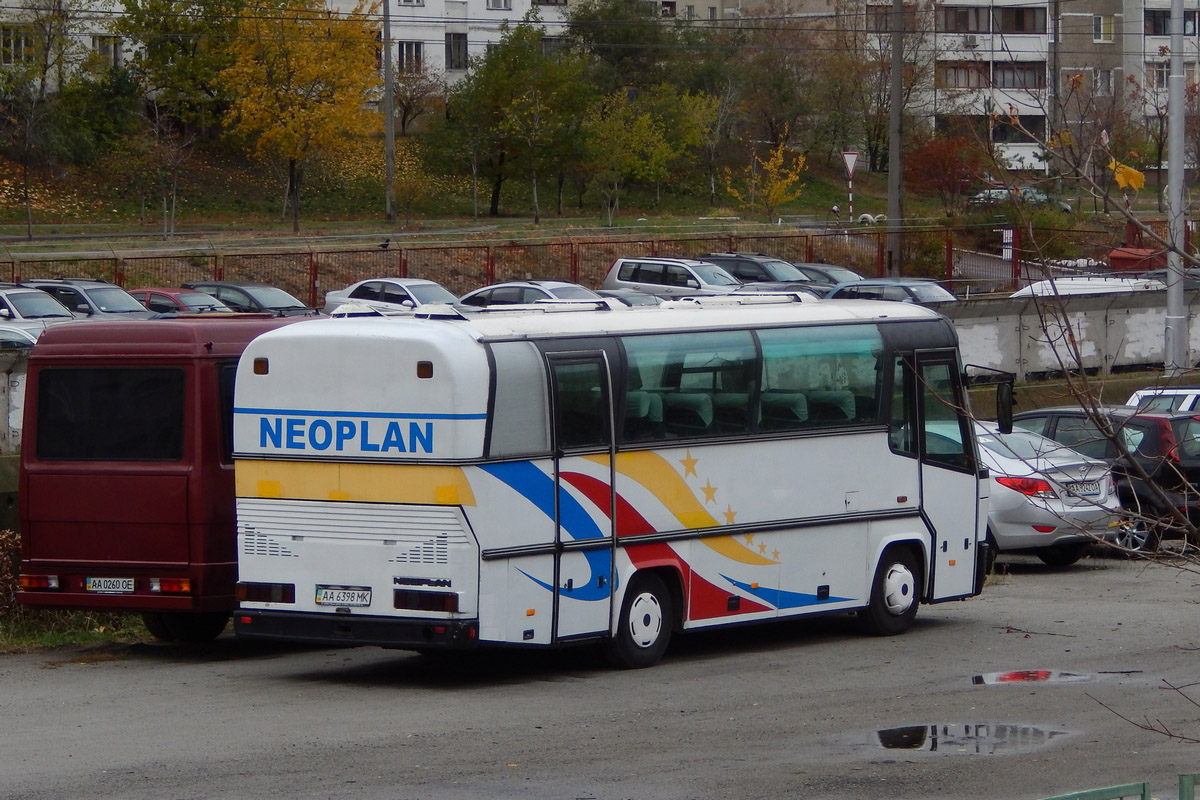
(427, 552)
(259, 545)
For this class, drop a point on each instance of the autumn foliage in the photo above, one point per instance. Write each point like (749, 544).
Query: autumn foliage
(945, 166)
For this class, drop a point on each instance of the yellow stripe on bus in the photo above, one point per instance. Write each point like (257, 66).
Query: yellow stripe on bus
(361, 483)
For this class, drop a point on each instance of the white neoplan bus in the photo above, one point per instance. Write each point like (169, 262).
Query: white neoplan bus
(555, 476)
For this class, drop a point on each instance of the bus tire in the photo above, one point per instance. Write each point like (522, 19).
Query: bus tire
(644, 627)
(894, 594)
(197, 628)
(156, 623)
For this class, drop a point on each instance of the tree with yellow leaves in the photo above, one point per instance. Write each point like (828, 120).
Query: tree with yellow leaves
(300, 81)
(768, 183)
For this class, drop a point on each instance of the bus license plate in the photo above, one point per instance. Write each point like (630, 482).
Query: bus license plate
(353, 596)
(1084, 488)
(109, 585)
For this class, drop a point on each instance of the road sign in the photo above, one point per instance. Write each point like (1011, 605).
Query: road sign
(850, 158)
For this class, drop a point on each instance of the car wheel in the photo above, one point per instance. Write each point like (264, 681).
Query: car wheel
(644, 627)
(1062, 555)
(1137, 536)
(196, 628)
(894, 600)
(157, 625)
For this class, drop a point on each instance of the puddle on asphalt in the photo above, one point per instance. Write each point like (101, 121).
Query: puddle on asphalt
(981, 738)
(1029, 676)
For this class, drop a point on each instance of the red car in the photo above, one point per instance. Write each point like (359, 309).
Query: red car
(178, 301)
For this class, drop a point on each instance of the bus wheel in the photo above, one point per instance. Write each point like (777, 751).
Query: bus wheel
(157, 625)
(198, 627)
(894, 592)
(644, 627)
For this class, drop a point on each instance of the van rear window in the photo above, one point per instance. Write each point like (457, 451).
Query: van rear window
(110, 414)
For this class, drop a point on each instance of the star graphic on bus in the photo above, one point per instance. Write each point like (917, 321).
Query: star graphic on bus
(729, 515)
(710, 492)
(689, 464)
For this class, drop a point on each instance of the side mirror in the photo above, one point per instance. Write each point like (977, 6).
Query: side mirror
(1004, 406)
(83, 308)
(5, 313)
(692, 283)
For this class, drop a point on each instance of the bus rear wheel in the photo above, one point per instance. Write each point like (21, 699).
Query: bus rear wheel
(894, 600)
(156, 623)
(644, 627)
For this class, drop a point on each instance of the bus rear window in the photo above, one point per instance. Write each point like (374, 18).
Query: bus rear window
(110, 414)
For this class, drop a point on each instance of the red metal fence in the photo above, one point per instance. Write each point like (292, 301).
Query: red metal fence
(971, 259)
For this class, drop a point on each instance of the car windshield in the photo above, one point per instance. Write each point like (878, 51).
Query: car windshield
(713, 275)
(1024, 445)
(783, 271)
(36, 304)
(112, 300)
(270, 297)
(573, 293)
(430, 293)
(198, 301)
(840, 274)
(929, 292)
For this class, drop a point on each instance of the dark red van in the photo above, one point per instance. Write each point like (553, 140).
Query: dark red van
(126, 483)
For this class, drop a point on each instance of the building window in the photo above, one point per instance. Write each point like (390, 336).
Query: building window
(689, 12)
(712, 12)
(963, 19)
(108, 49)
(549, 2)
(499, 5)
(1102, 83)
(1102, 28)
(961, 75)
(456, 51)
(412, 55)
(1029, 128)
(1157, 74)
(1158, 22)
(16, 44)
(1020, 20)
(1016, 75)
(553, 45)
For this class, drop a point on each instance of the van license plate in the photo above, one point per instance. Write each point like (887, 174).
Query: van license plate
(109, 585)
(1084, 488)
(353, 596)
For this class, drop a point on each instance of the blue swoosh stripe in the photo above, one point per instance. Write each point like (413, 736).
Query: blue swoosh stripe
(783, 599)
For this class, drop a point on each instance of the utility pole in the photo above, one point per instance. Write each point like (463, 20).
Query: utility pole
(389, 119)
(1175, 338)
(895, 168)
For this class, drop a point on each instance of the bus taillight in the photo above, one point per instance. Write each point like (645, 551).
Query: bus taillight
(37, 582)
(266, 592)
(171, 585)
(426, 601)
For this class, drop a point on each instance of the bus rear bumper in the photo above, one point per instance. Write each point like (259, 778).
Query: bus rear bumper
(350, 631)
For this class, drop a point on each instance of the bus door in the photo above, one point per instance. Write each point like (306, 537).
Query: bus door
(950, 502)
(582, 412)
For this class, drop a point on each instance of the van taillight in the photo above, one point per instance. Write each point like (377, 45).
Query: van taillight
(37, 582)
(171, 585)
(266, 592)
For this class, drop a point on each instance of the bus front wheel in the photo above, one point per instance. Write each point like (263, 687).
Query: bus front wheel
(644, 627)
(893, 604)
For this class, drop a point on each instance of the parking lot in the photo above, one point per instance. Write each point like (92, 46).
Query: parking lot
(1013, 694)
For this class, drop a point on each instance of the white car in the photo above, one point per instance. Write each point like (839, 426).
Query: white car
(1046, 498)
(389, 294)
(1166, 398)
(1090, 284)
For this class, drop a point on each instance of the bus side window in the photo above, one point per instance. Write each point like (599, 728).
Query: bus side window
(817, 376)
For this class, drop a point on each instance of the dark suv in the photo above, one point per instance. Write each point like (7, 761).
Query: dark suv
(253, 297)
(1165, 444)
(762, 268)
(91, 297)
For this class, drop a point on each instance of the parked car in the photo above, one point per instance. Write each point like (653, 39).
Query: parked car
(827, 273)
(91, 297)
(631, 297)
(775, 273)
(1034, 196)
(30, 309)
(523, 292)
(12, 338)
(1046, 499)
(253, 297)
(1166, 444)
(1088, 284)
(989, 197)
(178, 301)
(905, 290)
(669, 277)
(1166, 398)
(389, 294)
